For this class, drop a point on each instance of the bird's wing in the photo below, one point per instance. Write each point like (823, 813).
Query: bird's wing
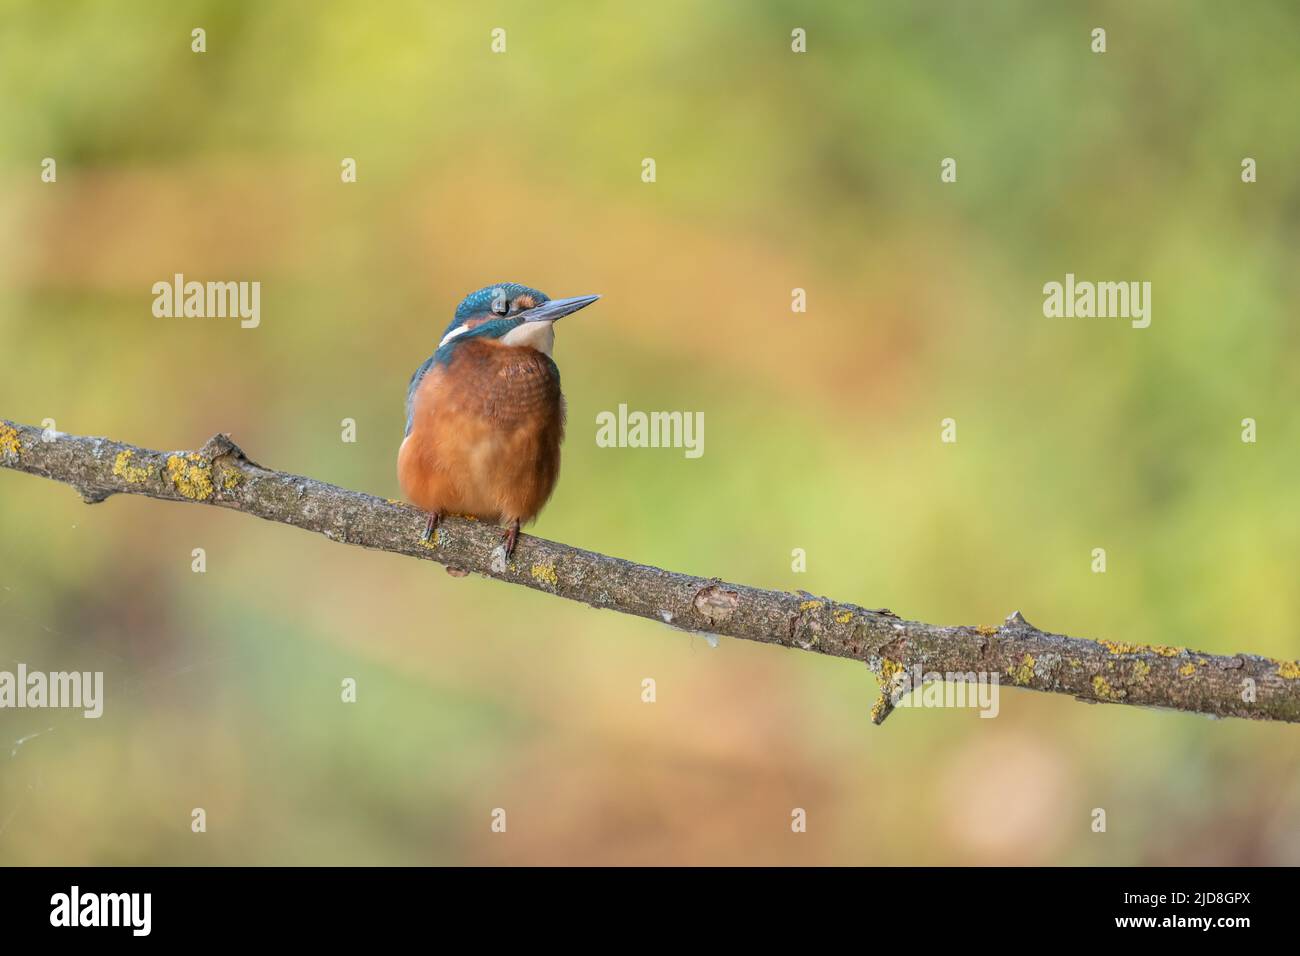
(411, 390)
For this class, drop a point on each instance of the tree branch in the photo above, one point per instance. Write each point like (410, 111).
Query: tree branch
(1242, 685)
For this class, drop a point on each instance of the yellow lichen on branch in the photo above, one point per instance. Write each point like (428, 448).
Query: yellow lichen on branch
(9, 440)
(191, 475)
(544, 573)
(1023, 672)
(131, 474)
(1119, 647)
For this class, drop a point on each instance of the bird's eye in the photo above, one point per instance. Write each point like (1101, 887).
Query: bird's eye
(500, 306)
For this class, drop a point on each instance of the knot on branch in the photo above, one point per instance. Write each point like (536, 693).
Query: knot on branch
(1016, 619)
(715, 603)
(221, 445)
(804, 629)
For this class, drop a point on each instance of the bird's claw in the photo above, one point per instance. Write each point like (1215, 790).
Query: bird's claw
(431, 527)
(510, 536)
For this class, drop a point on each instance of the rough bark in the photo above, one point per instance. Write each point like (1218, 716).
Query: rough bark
(1023, 655)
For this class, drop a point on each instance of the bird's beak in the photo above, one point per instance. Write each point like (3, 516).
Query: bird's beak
(557, 308)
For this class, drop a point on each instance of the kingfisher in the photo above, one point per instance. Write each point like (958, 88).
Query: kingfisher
(484, 413)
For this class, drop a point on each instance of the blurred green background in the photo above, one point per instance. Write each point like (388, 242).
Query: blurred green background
(775, 171)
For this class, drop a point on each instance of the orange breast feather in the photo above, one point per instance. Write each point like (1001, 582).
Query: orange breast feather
(485, 435)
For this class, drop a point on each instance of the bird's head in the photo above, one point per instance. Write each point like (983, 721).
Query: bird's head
(511, 313)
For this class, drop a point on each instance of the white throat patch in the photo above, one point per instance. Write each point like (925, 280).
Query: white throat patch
(535, 335)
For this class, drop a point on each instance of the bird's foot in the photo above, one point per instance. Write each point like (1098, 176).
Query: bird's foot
(510, 536)
(431, 527)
